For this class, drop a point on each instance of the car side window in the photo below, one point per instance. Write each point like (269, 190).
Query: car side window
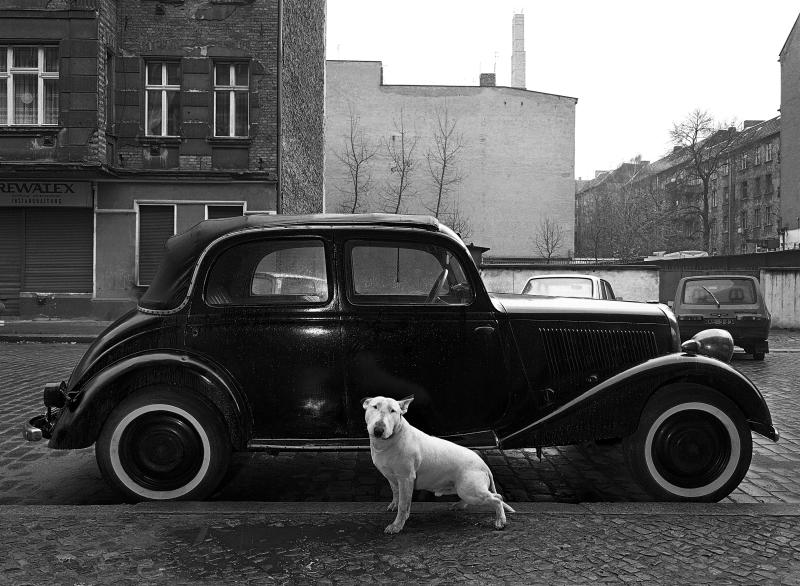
(395, 273)
(609, 291)
(269, 272)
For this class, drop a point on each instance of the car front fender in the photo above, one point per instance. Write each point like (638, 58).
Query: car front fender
(613, 407)
(83, 416)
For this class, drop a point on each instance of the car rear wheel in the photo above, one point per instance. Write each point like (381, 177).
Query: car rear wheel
(163, 444)
(692, 444)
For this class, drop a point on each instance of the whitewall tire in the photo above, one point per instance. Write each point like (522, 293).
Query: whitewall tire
(692, 444)
(163, 444)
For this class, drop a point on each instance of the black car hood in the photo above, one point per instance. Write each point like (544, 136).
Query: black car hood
(570, 307)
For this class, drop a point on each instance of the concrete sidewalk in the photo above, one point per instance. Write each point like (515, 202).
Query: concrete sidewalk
(213, 543)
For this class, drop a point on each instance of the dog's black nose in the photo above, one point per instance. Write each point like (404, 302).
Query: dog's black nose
(377, 431)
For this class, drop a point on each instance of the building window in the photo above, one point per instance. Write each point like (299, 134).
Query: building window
(725, 223)
(231, 99)
(712, 230)
(162, 98)
(768, 183)
(725, 194)
(758, 187)
(768, 154)
(714, 197)
(28, 86)
(215, 212)
(725, 167)
(744, 189)
(757, 218)
(758, 155)
(743, 220)
(156, 226)
(768, 215)
(743, 162)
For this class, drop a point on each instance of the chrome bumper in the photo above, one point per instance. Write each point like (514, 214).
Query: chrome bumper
(32, 430)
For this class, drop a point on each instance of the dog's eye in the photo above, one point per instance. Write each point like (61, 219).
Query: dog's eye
(374, 406)
(393, 411)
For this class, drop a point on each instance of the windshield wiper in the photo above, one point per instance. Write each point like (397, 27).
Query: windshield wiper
(712, 295)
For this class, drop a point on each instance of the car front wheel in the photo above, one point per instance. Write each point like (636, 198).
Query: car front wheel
(163, 444)
(692, 444)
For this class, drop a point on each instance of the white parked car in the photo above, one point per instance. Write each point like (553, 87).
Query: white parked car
(570, 285)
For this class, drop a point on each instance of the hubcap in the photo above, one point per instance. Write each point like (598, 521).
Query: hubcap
(691, 449)
(161, 451)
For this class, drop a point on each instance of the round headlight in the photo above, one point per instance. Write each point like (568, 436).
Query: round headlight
(713, 343)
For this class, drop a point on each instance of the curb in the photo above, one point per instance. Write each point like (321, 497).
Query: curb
(49, 338)
(379, 508)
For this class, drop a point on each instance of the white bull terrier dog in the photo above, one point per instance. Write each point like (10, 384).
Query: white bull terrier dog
(410, 458)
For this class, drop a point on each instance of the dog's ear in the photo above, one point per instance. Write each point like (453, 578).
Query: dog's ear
(365, 402)
(404, 403)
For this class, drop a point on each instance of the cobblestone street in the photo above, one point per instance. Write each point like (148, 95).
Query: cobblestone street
(31, 473)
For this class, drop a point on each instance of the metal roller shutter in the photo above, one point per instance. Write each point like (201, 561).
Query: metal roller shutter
(58, 250)
(12, 253)
(156, 225)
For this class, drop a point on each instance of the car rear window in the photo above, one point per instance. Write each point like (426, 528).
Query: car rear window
(722, 291)
(560, 287)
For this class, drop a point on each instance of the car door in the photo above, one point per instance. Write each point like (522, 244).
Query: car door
(267, 312)
(413, 324)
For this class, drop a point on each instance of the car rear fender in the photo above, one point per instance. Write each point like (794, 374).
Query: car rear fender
(614, 407)
(80, 422)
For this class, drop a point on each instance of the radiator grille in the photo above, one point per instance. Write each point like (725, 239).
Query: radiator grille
(573, 354)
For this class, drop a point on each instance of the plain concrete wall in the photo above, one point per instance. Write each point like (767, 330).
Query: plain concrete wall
(781, 289)
(634, 283)
(517, 162)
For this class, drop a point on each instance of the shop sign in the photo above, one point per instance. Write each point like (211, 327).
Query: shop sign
(45, 194)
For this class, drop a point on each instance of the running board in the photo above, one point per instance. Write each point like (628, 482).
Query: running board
(479, 440)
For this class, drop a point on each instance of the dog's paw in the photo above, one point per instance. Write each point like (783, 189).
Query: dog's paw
(500, 524)
(392, 528)
(392, 506)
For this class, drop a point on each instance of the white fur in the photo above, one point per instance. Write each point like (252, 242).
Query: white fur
(411, 459)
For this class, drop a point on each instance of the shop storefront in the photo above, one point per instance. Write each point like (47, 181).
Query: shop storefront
(46, 246)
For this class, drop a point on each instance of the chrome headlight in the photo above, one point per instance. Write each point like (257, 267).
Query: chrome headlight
(714, 343)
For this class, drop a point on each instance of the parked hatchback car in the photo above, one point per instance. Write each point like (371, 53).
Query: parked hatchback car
(569, 285)
(214, 361)
(731, 302)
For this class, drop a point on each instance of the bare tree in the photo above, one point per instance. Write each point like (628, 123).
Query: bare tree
(457, 220)
(706, 145)
(400, 147)
(356, 153)
(443, 161)
(549, 238)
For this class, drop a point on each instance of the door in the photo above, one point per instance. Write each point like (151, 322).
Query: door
(412, 325)
(267, 313)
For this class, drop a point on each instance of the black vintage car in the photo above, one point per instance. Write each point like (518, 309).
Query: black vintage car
(265, 332)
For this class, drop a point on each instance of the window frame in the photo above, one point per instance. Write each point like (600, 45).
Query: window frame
(42, 75)
(232, 89)
(353, 298)
(164, 88)
(264, 301)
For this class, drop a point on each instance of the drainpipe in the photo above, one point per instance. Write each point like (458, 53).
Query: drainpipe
(279, 189)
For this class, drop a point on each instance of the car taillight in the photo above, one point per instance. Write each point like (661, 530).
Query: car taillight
(690, 317)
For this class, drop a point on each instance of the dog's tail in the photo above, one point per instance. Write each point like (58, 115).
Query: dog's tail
(500, 496)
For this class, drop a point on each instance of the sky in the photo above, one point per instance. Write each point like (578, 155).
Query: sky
(636, 67)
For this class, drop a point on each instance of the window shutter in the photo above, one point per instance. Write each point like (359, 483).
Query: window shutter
(59, 250)
(156, 225)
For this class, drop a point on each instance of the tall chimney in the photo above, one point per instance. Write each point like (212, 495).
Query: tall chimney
(518, 51)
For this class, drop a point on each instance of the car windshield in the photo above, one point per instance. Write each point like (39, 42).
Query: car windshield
(726, 292)
(560, 287)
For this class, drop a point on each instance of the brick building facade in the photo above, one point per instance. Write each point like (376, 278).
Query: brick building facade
(123, 123)
(790, 136)
(744, 201)
(516, 164)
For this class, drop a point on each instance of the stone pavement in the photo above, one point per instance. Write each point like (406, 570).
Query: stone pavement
(31, 473)
(202, 543)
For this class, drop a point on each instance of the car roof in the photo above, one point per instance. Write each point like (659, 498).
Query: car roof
(705, 277)
(173, 278)
(564, 276)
